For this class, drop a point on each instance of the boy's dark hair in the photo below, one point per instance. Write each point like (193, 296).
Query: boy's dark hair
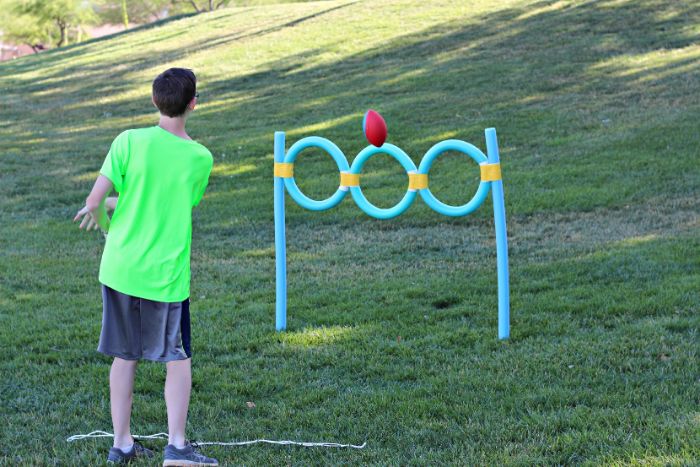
(173, 90)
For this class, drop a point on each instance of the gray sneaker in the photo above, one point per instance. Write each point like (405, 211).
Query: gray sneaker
(117, 456)
(189, 455)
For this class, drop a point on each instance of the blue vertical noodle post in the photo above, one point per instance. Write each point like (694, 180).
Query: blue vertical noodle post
(418, 181)
(499, 217)
(280, 239)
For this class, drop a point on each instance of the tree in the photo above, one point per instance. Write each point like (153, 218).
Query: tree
(63, 15)
(125, 15)
(205, 5)
(20, 28)
(137, 11)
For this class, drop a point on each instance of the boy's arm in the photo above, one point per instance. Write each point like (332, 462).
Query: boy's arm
(95, 205)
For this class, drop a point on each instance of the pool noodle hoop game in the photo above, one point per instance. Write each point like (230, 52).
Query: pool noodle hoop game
(374, 128)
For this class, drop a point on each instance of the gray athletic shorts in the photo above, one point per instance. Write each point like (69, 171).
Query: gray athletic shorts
(135, 328)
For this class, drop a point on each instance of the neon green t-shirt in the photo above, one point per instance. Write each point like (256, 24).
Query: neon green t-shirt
(160, 177)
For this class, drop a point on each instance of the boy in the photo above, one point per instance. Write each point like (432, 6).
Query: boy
(160, 174)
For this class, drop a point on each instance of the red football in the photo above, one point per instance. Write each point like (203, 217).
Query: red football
(374, 127)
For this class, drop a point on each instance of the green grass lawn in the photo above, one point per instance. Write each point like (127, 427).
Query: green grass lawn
(392, 333)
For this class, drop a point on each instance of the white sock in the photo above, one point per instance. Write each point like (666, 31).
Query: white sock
(126, 448)
(178, 445)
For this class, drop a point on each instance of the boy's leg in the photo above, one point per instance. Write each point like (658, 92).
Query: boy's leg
(121, 385)
(178, 384)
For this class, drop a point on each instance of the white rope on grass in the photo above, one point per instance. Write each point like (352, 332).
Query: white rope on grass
(105, 434)
(306, 444)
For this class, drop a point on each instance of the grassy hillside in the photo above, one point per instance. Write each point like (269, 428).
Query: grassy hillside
(392, 324)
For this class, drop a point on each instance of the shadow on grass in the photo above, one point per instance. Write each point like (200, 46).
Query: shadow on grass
(532, 67)
(68, 52)
(135, 62)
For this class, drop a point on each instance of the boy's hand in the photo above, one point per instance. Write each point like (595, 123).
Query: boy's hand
(88, 221)
(94, 214)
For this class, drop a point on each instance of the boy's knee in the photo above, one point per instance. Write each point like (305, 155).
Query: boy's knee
(124, 363)
(179, 363)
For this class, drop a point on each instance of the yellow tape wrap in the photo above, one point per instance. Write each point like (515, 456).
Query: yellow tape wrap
(284, 169)
(417, 181)
(490, 172)
(349, 179)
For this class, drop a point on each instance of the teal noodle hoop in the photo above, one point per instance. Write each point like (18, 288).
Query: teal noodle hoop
(403, 159)
(291, 186)
(356, 192)
(481, 193)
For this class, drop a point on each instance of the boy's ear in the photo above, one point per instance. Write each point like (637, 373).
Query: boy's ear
(153, 100)
(192, 104)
